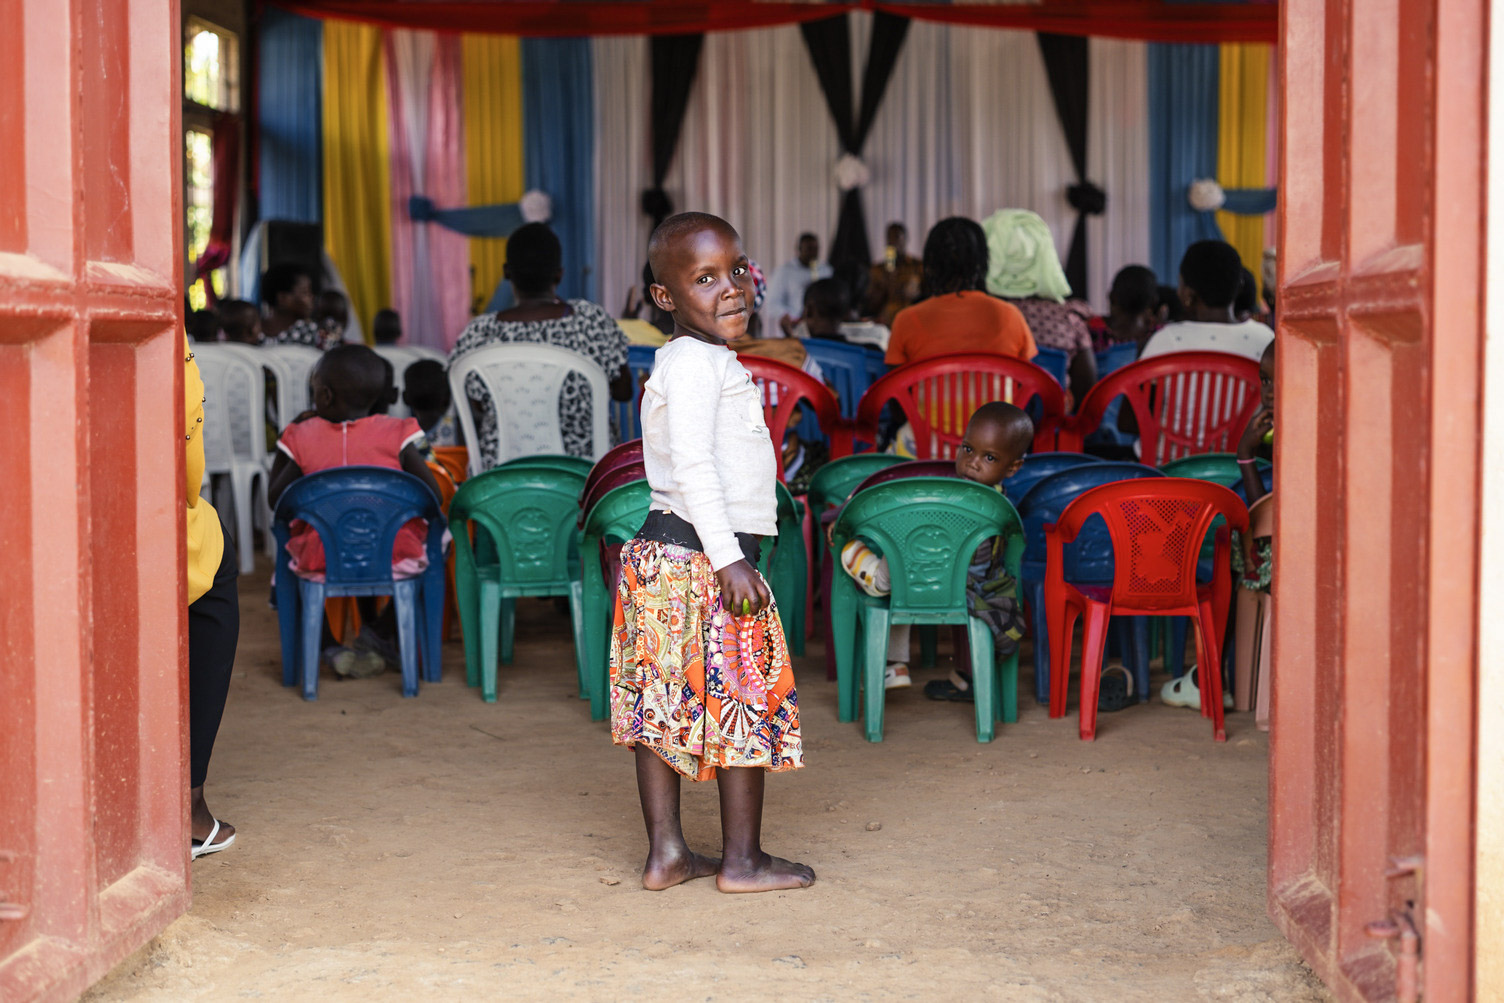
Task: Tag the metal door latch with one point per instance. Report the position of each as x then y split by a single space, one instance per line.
1401 924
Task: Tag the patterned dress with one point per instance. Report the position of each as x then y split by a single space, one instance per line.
701 688
306 332
1057 325
587 329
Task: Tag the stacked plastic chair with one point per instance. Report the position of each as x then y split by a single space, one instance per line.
784 388
357 512
235 436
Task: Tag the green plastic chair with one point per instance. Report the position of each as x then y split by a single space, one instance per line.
525 544
928 528
612 521
1219 468
785 564
551 461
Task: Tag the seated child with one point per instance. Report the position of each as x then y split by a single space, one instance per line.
240 322
991 450
346 384
425 390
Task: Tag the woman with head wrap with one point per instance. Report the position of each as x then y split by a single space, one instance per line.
1023 269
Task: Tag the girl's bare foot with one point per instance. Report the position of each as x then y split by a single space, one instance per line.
770 874
668 871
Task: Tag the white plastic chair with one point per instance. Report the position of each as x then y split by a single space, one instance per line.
523 381
235 436
293 365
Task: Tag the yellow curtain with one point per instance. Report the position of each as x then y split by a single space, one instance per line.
493 145
1242 139
357 175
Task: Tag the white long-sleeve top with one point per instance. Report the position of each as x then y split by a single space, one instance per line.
705 446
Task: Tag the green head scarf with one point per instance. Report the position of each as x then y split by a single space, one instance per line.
1021 258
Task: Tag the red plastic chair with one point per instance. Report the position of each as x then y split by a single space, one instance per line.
455 460
1156 525
627 453
788 385
1186 403
597 486
939 395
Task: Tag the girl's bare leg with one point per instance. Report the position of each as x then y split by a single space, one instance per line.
744 865
670 861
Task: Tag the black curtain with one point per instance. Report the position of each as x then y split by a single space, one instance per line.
1067 66
829 45
675 61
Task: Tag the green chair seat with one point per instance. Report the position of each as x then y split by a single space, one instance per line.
928 528
552 461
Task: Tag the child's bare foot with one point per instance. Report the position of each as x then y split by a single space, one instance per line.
770 874
663 873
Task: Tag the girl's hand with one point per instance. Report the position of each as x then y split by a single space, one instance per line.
742 590
1253 436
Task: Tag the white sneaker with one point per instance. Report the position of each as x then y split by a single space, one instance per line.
896 676
1184 692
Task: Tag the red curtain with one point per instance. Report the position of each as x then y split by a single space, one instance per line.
1148 20
226 147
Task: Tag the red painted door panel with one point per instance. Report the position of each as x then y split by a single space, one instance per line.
1377 438
93 827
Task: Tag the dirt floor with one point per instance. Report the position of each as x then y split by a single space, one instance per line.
443 848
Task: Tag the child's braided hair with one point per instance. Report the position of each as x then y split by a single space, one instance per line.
955 257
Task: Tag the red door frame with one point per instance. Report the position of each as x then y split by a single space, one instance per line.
1372 753
93 820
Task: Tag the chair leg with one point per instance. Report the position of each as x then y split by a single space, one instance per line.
1138 632
577 628
1175 646
242 490
431 593
289 622
875 621
845 622
405 595
826 588
508 628
491 603
984 679
1041 628
1208 629
928 647
1094 638
313 622
1062 621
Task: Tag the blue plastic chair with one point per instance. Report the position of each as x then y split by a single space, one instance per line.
876 367
1038 466
1055 361
627 413
1116 357
845 368
357 512
1087 561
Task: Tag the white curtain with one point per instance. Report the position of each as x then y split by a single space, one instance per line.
623 165
1117 159
966 127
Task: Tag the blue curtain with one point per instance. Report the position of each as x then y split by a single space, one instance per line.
1183 94
289 106
558 142
472 221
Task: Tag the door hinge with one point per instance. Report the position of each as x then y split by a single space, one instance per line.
1401 924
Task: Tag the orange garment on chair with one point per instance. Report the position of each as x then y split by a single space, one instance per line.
958 323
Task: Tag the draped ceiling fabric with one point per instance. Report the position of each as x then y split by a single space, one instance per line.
623 167
492 66
558 148
1242 139
1146 20
290 62
1117 158
357 182
1183 104
1067 66
675 62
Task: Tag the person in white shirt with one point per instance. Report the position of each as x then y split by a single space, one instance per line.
1210 274
785 303
701 682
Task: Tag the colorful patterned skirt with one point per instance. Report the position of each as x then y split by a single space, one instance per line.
696 685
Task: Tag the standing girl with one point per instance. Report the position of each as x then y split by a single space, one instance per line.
701 683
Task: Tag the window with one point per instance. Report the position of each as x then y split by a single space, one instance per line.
211 89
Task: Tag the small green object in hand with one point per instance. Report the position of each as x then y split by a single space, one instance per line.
746 607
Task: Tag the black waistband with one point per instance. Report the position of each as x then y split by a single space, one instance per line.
665 527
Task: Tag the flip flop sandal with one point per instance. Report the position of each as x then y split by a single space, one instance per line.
1184 692
1115 689
944 689
204 847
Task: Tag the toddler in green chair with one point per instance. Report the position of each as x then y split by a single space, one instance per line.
991 450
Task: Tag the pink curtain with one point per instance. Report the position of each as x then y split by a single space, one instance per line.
430 265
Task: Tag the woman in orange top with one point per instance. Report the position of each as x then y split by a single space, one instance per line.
957 315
